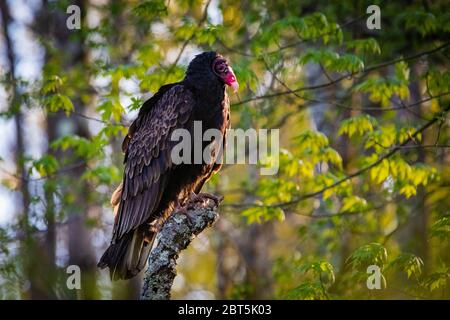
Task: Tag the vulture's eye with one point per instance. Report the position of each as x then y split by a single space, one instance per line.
220 67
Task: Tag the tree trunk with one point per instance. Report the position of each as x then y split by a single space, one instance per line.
420 220
28 247
81 252
253 245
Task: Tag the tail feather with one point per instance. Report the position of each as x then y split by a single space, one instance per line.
128 256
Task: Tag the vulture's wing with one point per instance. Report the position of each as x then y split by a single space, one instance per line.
148 157
146 107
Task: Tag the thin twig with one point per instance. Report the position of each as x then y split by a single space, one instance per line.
186 42
339 105
81 115
392 151
341 78
290 45
44 177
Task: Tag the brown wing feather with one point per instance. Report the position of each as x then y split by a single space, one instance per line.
148 158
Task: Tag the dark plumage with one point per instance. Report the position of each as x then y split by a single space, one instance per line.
152 185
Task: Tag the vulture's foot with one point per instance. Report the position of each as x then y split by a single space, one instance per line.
203 196
184 210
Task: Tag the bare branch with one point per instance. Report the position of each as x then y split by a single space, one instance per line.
326 73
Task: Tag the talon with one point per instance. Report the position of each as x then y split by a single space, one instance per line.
201 197
193 198
184 211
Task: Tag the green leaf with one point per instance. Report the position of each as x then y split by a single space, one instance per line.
46 165
208 34
57 102
357 125
322 270
353 204
332 60
424 22
263 214
370 254
52 84
380 172
408 263
311 140
437 280
307 291
150 9
363 46
441 228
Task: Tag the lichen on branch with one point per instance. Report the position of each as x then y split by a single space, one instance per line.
176 234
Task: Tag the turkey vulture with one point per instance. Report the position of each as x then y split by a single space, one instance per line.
153 186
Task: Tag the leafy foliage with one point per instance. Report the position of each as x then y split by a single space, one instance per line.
359 182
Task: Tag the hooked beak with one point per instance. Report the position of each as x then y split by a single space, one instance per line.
230 80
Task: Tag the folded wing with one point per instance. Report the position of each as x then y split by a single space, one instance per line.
148 158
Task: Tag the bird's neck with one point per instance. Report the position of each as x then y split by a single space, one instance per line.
209 94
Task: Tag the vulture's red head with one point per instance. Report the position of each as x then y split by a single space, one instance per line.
208 68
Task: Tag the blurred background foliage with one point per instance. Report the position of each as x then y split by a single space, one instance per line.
363 118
